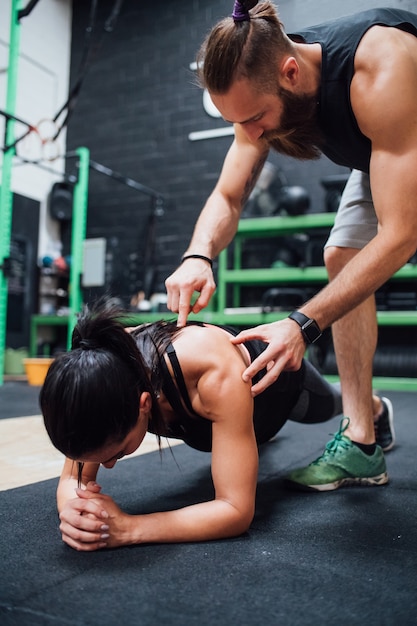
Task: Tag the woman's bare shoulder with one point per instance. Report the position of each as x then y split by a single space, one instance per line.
208 348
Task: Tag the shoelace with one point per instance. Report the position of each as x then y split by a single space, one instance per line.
337 442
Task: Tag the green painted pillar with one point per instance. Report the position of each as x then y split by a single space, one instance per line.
79 228
6 207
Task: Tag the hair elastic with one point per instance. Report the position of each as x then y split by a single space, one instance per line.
87 344
197 256
240 13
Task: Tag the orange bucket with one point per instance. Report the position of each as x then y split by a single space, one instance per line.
36 369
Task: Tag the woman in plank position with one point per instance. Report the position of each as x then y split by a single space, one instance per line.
115 384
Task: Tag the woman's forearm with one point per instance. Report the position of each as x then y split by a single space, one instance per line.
65 491
68 481
206 521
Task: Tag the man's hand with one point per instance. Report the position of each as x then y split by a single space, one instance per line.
285 351
191 276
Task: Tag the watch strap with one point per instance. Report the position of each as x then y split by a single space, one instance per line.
309 327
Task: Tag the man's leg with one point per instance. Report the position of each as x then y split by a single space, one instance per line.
351 457
355 339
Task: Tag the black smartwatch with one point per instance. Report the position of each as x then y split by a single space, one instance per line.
309 327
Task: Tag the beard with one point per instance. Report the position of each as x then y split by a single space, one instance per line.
298 134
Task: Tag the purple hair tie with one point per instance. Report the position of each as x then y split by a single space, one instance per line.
240 14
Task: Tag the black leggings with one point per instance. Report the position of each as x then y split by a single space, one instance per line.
303 396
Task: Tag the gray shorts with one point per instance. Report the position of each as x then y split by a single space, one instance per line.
356 222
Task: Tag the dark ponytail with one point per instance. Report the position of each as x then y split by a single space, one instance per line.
91 393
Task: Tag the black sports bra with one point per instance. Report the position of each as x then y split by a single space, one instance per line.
189 425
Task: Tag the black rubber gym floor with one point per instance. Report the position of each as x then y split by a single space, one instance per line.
343 558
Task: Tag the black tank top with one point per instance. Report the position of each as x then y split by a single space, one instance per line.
339 39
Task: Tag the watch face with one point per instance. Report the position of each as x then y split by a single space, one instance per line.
309 327
311 330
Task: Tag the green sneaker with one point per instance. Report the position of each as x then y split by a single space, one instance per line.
341 464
